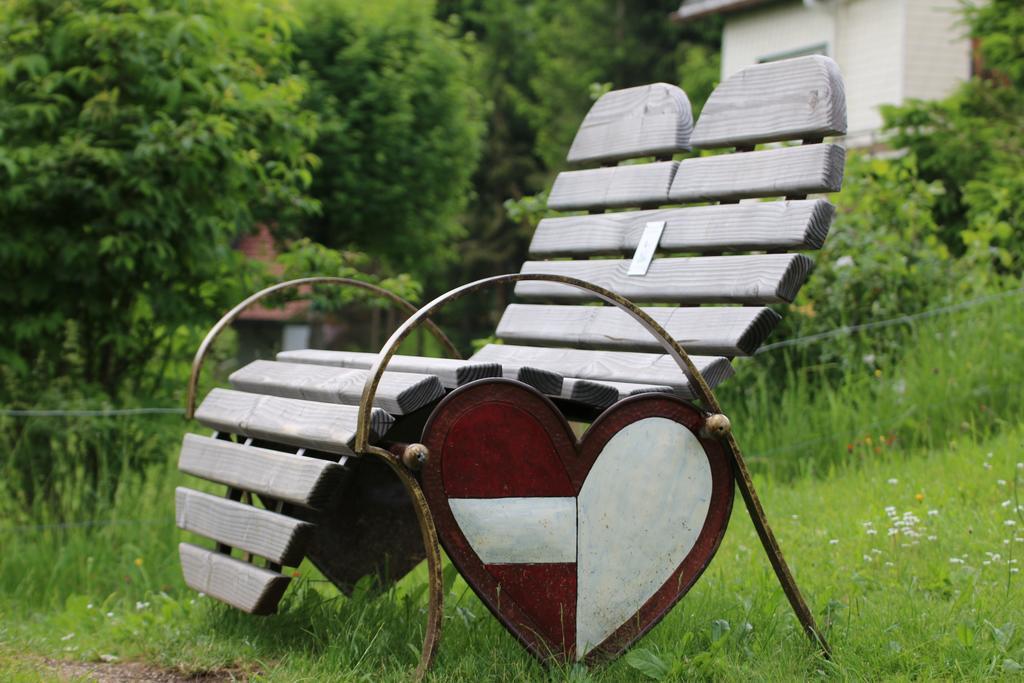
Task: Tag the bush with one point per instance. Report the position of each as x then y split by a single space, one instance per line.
971 143
137 138
883 258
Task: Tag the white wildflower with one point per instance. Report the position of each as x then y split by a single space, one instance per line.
834 541
68 637
933 513
893 481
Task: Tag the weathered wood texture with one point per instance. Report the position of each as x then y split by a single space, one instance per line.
309 482
276 537
308 424
603 393
239 584
755 226
452 373
717 330
615 366
643 121
598 188
398 392
786 171
791 99
757 279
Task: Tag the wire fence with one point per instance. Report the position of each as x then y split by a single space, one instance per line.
910 318
886 425
845 330
97 412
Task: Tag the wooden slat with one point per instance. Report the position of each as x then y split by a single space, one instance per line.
589 392
239 584
716 331
398 392
308 424
598 188
757 279
279 538
309 482
647 120
752 226
602 394
787 171
614 366
791 99
451 372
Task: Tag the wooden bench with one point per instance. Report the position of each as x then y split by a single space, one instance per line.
284 434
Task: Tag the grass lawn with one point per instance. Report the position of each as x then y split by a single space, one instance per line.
902 537
910 564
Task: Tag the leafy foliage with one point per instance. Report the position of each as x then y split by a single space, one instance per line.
971 143
883 258
136 139
400 129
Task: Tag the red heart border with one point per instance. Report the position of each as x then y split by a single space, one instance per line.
584 452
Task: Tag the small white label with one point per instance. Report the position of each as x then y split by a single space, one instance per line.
645 249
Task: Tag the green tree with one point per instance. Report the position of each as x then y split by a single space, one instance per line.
400 129
137 138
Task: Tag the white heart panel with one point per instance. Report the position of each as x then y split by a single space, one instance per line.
640 512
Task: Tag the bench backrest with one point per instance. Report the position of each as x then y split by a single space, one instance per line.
721 252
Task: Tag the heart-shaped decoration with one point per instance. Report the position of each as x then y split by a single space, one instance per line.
577 547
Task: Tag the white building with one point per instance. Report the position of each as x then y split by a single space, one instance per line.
888 50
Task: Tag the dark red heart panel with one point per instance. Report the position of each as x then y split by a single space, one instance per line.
578 547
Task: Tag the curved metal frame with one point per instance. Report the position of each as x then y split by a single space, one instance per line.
230 316
412 487
693 376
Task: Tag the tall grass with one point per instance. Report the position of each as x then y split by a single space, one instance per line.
958 373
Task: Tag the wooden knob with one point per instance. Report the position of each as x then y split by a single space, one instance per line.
415 456
716 426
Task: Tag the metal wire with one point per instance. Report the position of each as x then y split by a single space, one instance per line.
98 412
900 320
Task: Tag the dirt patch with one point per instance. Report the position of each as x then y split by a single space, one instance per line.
126 672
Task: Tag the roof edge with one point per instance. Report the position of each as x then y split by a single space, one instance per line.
688 11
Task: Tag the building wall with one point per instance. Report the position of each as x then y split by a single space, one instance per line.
870 51
938 53
771 30
888 50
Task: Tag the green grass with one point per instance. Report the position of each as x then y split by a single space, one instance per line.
894 606
829 457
